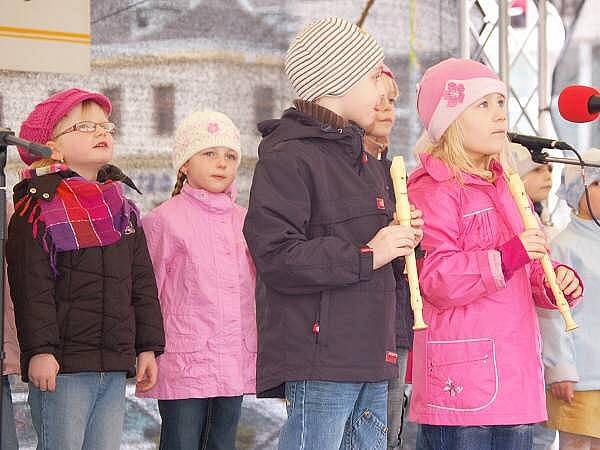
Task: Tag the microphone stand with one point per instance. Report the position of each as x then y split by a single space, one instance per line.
539 156
7 137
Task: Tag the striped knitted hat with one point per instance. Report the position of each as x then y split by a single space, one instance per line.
330 56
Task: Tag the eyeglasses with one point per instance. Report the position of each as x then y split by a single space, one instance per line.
88 127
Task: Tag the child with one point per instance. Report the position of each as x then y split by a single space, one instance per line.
318 228
477 373
537 179
206 282
377 136
81 278
10 366
572 365
377 141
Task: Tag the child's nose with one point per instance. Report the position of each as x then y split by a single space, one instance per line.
500 113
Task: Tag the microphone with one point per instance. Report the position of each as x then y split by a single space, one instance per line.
579 104
534 143
7 137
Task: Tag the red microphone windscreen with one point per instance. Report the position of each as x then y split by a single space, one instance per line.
573 103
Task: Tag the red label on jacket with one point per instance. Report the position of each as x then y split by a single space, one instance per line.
380 203
391 357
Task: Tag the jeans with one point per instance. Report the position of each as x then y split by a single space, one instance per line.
496 437
543 437
324 415
199 423
402 432
85 412
9 431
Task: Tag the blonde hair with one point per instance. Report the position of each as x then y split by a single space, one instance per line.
450 149
45 162
181 177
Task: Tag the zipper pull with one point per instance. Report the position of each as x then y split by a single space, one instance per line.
315 328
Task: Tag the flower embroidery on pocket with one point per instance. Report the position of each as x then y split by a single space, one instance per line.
454 94
452 388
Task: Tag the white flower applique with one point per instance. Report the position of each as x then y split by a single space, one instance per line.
452 388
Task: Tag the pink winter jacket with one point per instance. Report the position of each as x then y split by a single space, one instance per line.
479 362
205 278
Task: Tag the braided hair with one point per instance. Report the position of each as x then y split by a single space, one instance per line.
181 177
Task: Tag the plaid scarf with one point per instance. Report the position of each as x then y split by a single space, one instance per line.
81 214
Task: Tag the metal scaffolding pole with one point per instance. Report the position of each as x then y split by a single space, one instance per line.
464 31
584 130
544 120
503 57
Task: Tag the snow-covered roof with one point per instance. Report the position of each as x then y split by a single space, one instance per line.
227 24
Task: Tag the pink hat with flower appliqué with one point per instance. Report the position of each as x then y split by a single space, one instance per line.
450 87
201 130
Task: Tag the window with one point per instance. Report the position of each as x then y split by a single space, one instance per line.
114 94
264 103
164 110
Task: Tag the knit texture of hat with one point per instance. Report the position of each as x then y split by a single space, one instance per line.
201 130
572 188
330 56
39 125
450 87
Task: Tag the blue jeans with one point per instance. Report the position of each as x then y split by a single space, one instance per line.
543 437
199 423
9 431
402 432
324 415
496 437
85 412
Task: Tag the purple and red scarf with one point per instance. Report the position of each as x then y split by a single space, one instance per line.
81 214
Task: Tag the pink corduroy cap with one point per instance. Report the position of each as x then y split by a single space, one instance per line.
41 121
450 87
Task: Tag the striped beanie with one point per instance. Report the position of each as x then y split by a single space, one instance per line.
330 56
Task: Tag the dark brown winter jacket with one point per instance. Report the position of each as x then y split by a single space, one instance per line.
101 309
322 312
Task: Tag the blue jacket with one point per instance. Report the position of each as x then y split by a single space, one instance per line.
574 356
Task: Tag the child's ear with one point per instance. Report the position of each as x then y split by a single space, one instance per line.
56 154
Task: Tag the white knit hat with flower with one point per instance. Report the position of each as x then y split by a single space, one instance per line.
201 130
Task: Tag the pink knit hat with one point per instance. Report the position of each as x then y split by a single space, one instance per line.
41 121
450 87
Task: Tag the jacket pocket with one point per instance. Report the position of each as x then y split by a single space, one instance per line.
182 334
461 374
